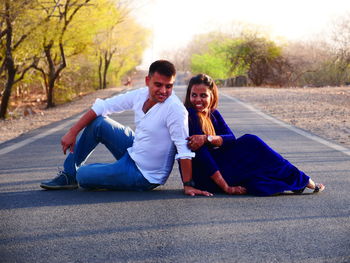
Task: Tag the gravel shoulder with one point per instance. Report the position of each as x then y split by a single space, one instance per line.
10 129
323 111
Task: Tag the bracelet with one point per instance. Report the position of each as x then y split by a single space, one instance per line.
189 183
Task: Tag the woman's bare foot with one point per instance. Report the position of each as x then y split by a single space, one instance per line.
317 187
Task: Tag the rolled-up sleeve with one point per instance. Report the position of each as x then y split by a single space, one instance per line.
177 122
117 103
98 107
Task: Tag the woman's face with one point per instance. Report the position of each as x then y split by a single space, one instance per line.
200 97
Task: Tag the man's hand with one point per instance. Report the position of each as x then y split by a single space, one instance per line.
68 142
189 190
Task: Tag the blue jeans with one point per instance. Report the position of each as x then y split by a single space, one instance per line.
120 175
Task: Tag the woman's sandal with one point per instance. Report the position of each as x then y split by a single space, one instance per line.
300 191
319 188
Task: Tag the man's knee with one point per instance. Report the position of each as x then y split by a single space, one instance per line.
102 121
101 124
82 177
98 121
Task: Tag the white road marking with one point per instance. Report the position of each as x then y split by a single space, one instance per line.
292 128
36 137
283 124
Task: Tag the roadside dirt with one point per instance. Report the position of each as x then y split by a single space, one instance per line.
10 129
323 111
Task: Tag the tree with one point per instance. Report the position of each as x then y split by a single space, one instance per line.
261 58
180 57
211 63
16 27
60 15
199 45
207 56
322 61
341 43
132 41
307 60
120 46
105 43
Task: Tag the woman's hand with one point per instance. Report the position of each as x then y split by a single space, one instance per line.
196 141
236 190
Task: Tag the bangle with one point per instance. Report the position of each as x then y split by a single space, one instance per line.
189 183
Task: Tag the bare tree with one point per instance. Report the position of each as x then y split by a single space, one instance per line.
341 43
181 58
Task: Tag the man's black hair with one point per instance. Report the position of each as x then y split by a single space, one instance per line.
163 67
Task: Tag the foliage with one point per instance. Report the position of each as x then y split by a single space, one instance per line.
328 73
63 34
248 51
341 43
211 62
119 48
249 55
17 25
317 63
261 58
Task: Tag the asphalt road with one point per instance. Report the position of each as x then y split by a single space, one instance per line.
164 225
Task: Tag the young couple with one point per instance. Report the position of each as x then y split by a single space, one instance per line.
210 158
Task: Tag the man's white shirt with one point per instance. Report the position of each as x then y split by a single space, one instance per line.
160 134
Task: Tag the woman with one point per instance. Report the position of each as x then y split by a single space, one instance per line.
234 166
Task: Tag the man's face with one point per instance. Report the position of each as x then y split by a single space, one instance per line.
160 87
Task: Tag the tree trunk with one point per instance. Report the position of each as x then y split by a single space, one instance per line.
9 65
105 69
100 73
53 73
107 61
11 73
50 93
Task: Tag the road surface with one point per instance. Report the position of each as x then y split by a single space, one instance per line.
164 225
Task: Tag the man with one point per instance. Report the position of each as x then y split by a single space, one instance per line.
144 158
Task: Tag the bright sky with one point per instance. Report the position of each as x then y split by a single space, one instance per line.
175 22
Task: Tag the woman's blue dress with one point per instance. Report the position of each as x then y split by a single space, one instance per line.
246 161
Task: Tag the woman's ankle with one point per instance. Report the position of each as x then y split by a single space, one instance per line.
311 184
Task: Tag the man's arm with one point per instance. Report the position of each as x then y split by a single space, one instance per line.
186 171
69 139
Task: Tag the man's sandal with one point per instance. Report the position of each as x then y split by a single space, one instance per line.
319 188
